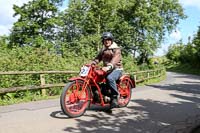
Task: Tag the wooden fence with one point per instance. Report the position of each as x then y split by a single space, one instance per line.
138 77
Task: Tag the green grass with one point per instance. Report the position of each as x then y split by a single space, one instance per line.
183 68
29 95
151 81
10 101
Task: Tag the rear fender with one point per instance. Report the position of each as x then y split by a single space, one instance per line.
127 77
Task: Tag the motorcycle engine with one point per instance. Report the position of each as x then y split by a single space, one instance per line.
105 92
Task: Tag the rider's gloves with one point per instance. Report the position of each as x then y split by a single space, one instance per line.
109 67
105 69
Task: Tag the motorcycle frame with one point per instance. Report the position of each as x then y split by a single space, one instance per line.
90 81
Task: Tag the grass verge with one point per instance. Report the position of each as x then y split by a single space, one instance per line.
183 68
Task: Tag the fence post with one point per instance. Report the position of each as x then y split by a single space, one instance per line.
42 83
148 77
134 76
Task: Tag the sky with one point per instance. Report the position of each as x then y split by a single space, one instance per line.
186 28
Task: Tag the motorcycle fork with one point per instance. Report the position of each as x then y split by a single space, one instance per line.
85 84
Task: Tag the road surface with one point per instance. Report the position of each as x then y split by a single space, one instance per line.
171 106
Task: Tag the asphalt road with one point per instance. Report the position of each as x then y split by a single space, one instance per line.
171 106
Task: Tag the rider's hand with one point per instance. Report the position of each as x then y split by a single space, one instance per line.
93 65
105 69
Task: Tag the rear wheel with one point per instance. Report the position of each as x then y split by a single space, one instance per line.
124 88
74 101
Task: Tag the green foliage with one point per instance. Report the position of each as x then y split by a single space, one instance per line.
33 59
174 52
18 97
196 47
38 59
36 19
146 23
183 68
138 26
45 38
129 64
188 54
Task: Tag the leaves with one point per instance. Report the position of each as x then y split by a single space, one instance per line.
186 53
138 26
36 18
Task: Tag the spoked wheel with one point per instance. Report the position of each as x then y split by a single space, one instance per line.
75 99
125 92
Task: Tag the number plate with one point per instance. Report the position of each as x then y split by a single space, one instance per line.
84 71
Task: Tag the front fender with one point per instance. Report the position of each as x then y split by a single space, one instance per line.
76 78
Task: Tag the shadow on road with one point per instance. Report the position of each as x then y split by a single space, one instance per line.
59 115
187 87
187 76
196 129
149 116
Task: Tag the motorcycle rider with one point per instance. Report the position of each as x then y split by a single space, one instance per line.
111 56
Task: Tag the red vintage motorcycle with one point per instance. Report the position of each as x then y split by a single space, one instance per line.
90 88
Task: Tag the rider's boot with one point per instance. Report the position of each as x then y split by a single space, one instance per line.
114 101
96 96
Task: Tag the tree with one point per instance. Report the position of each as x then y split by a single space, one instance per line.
88 18
174 51
139 26
147 23
186 53
37 19
196 43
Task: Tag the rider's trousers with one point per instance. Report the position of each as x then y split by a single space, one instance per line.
111 81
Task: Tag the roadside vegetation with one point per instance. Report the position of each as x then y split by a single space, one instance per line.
185 58
46 38
183 68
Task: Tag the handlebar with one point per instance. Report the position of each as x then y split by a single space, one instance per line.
97 69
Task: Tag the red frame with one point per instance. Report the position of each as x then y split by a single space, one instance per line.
95 76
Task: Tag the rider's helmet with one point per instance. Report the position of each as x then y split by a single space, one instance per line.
107 35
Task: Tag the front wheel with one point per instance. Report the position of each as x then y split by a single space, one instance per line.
124 88
75 99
